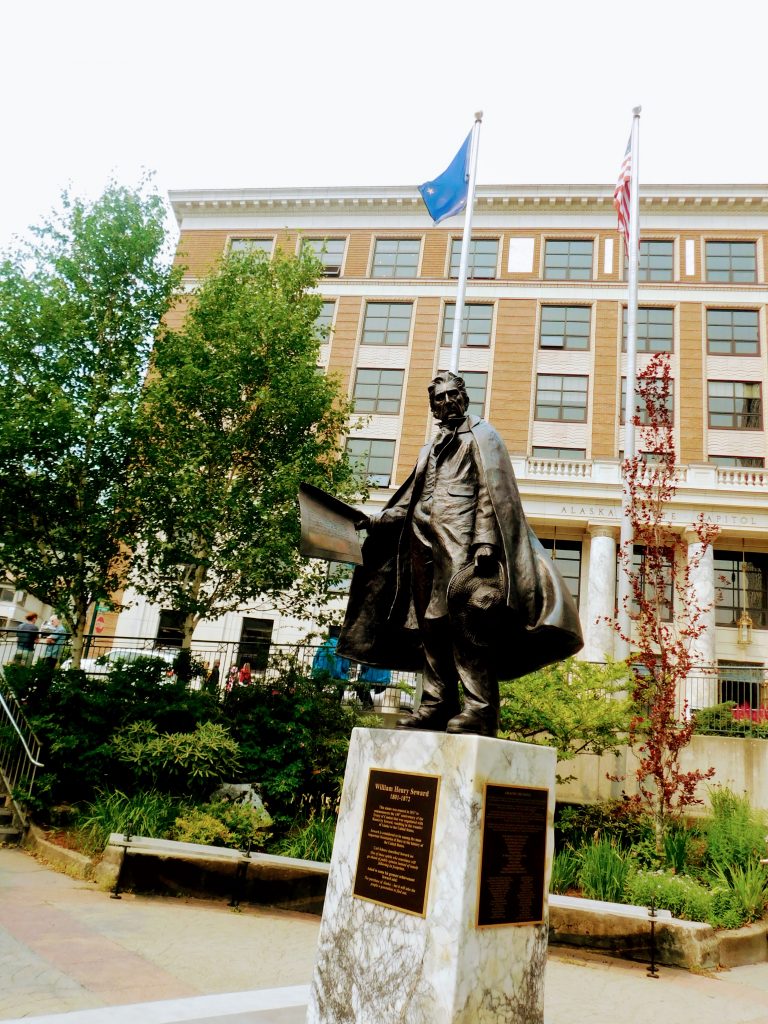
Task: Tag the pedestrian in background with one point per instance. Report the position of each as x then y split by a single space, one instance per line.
26 636
53 639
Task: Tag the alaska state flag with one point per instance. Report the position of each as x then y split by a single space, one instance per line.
447 194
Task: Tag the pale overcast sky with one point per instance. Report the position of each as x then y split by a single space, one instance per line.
244 93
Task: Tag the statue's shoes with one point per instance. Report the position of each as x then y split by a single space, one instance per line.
428 716
477 723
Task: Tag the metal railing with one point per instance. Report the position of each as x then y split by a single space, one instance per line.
236 663
19 751
724 699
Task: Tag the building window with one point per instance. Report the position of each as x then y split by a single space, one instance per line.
731 261
330 252
255 641
170 628
324 321
644 415
646 574
649 458
482 260
476 384
566 554
372 459
735 405
7 595
568 259
741 584
387 323
656 261
732 332
541 452
251 245
560 397
737 461
339 577
476 324
378 391
565 327
655 330
396 257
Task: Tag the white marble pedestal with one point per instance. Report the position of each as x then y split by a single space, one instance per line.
379 965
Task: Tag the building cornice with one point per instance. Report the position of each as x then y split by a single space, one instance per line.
721 198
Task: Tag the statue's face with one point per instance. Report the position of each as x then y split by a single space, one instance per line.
449 403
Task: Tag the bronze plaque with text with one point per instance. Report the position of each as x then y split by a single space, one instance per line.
395 853
512 862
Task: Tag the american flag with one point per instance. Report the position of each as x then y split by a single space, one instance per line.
621 193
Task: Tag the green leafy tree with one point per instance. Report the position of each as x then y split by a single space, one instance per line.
234 417
79 307
575 706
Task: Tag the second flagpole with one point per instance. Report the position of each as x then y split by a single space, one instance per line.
458 314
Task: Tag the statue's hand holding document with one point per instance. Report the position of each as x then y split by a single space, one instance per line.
328 527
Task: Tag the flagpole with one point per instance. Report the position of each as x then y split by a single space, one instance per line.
627 532
458 314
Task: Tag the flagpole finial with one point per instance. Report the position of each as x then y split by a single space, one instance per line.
636 111
478 115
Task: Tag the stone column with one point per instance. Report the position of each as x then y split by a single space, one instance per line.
701 685
601 593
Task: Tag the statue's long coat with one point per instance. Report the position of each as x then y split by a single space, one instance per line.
542 623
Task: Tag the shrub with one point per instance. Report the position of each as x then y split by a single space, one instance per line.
142 814
198 825
182 763
620 820
735 832
573 706
682 896
565 871
247 824
727 719
717 719
677 843
743 892
312 839
75 716
294 738
603 871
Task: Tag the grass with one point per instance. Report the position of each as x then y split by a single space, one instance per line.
312 839
603 871
735 833
565 871
144 814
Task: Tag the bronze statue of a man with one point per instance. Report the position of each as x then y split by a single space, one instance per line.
454 582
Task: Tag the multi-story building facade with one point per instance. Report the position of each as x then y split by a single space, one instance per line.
543 358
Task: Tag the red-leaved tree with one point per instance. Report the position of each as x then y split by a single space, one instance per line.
667 616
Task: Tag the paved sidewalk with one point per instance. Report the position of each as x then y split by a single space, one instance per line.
67 948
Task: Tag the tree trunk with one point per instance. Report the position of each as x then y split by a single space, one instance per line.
189 628
191 621
79 620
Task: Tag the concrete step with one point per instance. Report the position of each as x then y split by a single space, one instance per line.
9 834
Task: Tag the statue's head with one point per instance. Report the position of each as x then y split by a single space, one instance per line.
448 398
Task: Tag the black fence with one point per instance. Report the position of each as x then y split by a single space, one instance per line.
726 699
227 664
